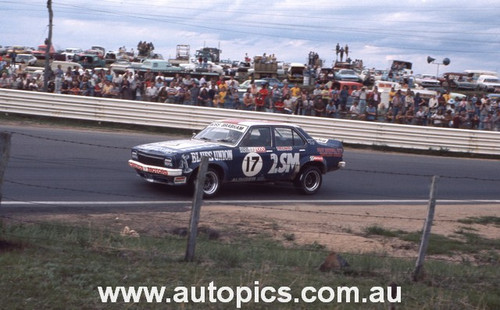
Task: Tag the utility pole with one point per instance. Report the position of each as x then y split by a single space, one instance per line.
426 233
4 156
195 211
48 45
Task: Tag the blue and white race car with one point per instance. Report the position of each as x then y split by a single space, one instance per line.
241 151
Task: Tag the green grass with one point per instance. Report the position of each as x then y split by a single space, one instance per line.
52 266
483 220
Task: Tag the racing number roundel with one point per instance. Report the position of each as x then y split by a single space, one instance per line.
252 164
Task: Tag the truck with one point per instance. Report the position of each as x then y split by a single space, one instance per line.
182 54
40 52
264 67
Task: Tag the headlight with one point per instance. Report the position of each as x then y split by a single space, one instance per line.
168 162
134 155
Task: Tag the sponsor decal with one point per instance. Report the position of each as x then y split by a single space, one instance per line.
180 180
237 127
252 164
316 158
148 169
284 163
321 140
329 152
284 148
253 149
249 179
219 155
169 147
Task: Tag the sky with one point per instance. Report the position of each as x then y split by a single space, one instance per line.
466 32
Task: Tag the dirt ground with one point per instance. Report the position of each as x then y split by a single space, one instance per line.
338 228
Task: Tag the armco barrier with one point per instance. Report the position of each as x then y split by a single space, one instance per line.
195 118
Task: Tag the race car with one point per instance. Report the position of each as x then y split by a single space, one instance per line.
241 151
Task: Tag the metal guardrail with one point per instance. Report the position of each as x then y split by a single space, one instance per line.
196 118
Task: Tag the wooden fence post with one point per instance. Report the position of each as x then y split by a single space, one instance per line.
419 265
4 156
196 209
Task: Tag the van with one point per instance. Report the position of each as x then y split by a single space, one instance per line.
296 73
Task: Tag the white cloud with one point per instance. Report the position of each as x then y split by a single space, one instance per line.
375 30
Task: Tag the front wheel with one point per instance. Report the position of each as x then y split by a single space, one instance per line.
309 180
212 183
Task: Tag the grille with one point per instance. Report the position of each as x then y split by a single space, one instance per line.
151 160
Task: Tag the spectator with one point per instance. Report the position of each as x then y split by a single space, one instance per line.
362 99
203 97
331 110
279 104
307 103
410 115
354 111
319 106
438 118
5 81
248 100
400 117
125 90
344 96
371 112
496 120
288 104
263 102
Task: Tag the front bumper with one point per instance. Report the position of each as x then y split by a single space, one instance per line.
157 174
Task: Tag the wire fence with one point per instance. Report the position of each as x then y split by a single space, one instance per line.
326 224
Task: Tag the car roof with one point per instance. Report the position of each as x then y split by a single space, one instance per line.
248 122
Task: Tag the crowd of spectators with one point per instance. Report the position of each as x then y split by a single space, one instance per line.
475 112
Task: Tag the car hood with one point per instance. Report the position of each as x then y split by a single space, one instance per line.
179 146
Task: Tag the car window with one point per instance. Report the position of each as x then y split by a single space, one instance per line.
287 137
260 136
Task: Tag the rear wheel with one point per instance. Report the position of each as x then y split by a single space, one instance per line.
309 180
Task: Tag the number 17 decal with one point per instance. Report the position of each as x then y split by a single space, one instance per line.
252 164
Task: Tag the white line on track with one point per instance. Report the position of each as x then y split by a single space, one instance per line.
225 202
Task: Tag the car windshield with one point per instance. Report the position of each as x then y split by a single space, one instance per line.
222 132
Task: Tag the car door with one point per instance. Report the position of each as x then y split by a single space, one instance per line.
253 157
288 148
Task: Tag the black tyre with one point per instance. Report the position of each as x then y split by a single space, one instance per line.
212 183
309 180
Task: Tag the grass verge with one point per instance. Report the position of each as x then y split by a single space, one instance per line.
53 266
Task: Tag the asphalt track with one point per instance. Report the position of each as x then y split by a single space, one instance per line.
81 168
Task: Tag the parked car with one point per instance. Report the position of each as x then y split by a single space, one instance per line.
351 86
489 83
27 59
65 65
347 75
242 88
273 82
4 50
427 80
70 52
241 151
458 80
159 65
89 61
